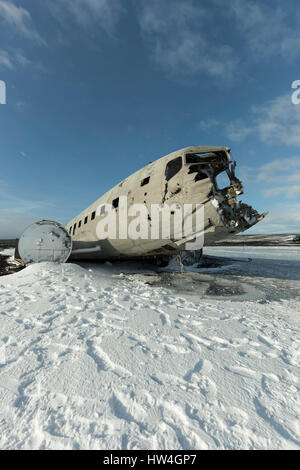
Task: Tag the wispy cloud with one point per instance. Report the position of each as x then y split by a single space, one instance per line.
105 13
277 180
288 192
275 122
21 59
283 218
280 169
268 30
9 201
6 60
17 211
207 125
20 20
281 178
278 120
177 36
237 130
13 59
189 38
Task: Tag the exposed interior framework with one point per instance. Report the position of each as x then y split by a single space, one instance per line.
233 213
192 175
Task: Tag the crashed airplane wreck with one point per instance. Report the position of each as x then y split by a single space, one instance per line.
187 176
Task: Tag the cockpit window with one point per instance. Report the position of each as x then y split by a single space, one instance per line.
173 167
222 181
193 158
205 157
200 170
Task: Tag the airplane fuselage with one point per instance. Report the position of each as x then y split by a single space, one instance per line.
185 177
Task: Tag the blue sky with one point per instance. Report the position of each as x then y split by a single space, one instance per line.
98 88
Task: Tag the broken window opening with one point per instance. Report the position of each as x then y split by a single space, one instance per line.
115 203
93 215
196 158
178 190
222 181
173 167
74 229
79 225
70 231
145 181
206 158
202 172
85 220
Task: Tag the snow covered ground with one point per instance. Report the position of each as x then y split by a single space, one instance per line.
122 357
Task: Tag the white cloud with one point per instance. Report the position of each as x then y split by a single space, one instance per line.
207 125
275 122
268 30
278 120
21 58
285 185
6 60
176 33
188 38
237 131
16 58
284 218
246 173
281 178
106 13
9 201
288 192
280 169
20 19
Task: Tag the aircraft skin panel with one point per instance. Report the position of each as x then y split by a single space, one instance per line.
194 183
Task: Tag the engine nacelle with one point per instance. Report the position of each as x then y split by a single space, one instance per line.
45 240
